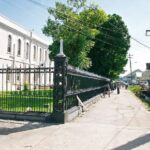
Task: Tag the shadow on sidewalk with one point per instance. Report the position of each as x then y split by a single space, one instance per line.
135 143
23 127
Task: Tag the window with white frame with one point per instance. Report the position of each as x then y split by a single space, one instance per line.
19 47
40 54
27 50
9 44
34 53
45 56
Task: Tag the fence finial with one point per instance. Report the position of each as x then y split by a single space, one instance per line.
61 53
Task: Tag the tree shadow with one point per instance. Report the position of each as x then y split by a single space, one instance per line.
24 127
135 143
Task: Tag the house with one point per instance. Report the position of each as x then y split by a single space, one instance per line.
134 76
21 48
146 73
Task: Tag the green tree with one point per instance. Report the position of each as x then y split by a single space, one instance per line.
109 54
73 22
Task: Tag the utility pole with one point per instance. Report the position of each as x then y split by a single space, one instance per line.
130 57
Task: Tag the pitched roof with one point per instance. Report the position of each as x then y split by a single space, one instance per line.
133 72
14 26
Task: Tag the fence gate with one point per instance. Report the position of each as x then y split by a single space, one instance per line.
24 90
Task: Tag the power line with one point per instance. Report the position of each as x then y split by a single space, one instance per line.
38 3
146 46
134 39
84 34
65 17
81 23
26 13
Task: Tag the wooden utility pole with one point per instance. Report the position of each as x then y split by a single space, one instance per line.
130 57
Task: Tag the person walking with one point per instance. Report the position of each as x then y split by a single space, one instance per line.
118 89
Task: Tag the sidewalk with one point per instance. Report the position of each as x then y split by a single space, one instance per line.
120 122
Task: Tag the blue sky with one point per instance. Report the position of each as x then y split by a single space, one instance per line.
135 13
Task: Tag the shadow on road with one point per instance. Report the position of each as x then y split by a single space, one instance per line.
22 127
135 143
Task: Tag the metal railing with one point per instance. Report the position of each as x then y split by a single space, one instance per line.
83 84
26 89
70 82
46 89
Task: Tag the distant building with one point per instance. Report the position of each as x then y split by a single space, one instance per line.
146 74
136 76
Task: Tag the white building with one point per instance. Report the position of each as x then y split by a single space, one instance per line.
20 48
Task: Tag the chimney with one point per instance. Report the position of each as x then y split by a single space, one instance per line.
147 66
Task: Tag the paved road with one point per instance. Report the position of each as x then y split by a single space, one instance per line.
120 122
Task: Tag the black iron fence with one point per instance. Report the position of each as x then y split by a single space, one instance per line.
26 89
83 84
30 89
70 82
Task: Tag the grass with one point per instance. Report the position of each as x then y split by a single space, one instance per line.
22 101
136 89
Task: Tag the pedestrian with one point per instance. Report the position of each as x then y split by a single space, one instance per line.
108 90
118 89
126 86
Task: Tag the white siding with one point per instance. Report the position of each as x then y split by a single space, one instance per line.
9 28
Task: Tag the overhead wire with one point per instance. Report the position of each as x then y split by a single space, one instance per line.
134 39
27 13
146 46
117 29
65 17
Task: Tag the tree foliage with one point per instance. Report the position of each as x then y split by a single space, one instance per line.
109 54
72 22
93 40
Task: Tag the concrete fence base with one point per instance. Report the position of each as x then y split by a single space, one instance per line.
29 116
73 112
59 117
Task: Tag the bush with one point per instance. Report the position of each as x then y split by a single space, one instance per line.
136 89
26 86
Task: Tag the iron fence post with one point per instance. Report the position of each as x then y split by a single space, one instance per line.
60 84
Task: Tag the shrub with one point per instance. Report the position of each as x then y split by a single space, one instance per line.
26 86
136 89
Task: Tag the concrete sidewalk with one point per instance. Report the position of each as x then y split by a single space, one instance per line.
120 122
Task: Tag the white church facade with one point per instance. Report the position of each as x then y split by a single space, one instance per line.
20 48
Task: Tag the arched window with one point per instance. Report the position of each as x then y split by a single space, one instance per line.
35 53
19 47
9 44
27 50
45 56
40 54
